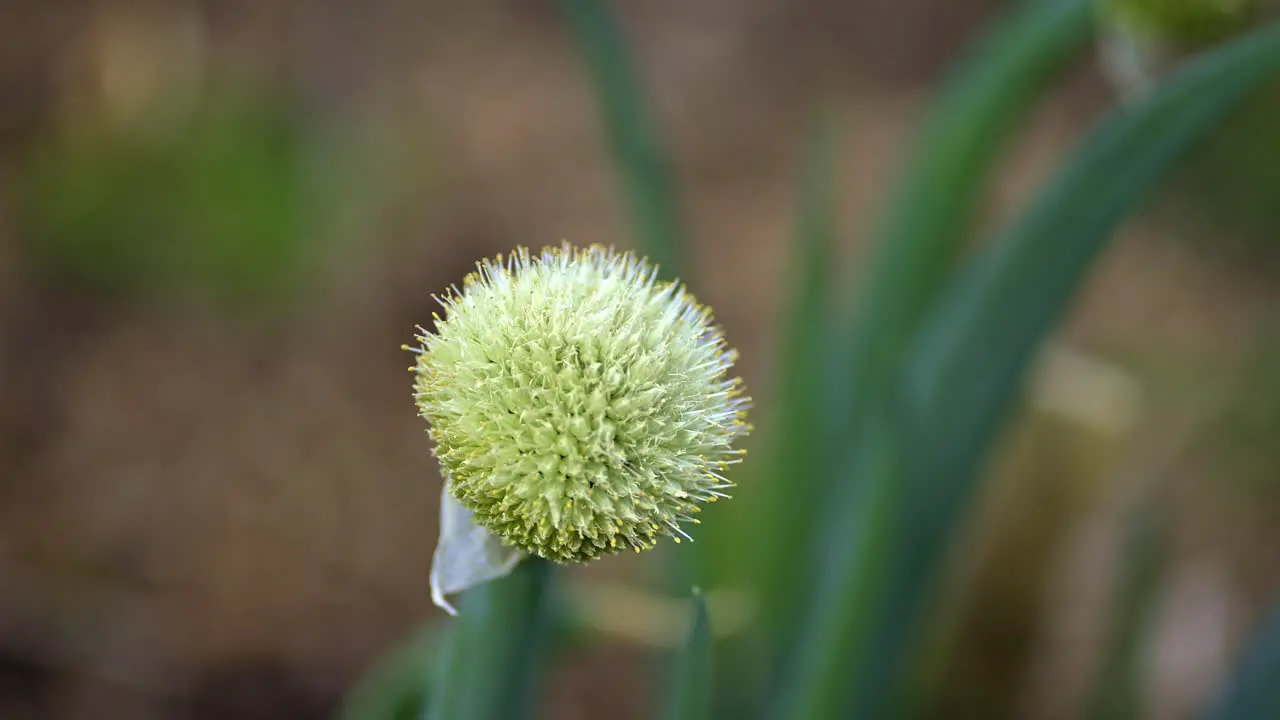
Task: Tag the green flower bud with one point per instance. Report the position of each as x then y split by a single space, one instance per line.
1182 22
1141 40
578 406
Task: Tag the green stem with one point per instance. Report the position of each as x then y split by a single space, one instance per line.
495 655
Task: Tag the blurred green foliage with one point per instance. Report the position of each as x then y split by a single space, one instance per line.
1118 688
1251 690
783 508
1226 192
211 200
1245 434
897 414
396 687
975 350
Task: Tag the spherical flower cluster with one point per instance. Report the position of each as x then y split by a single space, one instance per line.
579 407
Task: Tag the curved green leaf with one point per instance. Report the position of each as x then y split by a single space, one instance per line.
933 213
974 351
924 233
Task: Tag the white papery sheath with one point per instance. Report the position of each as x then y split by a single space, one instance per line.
466 554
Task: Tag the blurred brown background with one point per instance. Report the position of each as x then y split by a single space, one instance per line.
215 498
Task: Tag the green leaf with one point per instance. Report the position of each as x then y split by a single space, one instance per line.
495 654
633 138
690 696
973 354
1251 691
815 683
858 464
933 212
784 505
